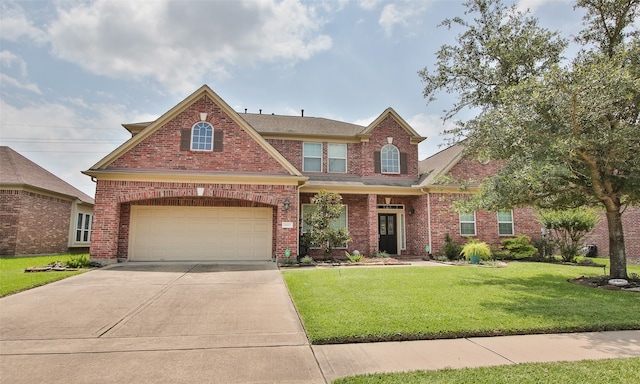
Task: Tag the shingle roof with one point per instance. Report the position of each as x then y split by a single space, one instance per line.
439 163
16 170
301 125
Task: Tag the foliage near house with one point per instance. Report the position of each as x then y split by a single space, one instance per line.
568 228
320 231
519 247
567 132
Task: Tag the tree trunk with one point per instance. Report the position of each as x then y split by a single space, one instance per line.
617 255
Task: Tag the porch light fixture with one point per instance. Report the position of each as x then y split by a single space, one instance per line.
200 191
285 204
203 116
412 211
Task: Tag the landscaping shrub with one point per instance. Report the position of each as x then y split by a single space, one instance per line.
450 249
519 247
78 261
544 246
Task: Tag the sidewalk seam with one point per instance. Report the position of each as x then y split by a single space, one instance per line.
490 350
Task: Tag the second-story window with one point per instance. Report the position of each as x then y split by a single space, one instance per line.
312 157
202 137
390 159
337 158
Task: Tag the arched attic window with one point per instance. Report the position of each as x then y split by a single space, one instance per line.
202 136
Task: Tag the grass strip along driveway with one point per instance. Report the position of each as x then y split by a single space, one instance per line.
344 305
14 279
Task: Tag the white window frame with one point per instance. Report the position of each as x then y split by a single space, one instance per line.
314 206
390 159
505 222
465 220
330 158
306 156
401 225
82 232
200 142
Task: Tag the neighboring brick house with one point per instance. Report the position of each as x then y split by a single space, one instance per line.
204 182
39 212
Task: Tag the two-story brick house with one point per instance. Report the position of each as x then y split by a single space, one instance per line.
204 182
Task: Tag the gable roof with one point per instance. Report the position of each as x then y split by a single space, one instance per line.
440 163
390 112
18 171
147 130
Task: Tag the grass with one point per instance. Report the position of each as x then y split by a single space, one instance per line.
382 304
14 279
575 372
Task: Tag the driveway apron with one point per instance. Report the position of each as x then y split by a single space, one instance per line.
157 323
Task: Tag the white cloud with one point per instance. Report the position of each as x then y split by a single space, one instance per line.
431 127
391 16
183 45
7 60
14 25
67 138
8 81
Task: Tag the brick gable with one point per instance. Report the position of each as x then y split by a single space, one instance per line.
161 150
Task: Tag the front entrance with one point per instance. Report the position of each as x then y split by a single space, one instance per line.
387 233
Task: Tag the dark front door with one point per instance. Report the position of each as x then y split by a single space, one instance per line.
387 233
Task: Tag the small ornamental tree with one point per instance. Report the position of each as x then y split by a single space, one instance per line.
321 230
568 228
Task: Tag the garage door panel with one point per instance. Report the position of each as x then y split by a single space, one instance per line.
200 233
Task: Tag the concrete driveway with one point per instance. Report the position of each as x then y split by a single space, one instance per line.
157 323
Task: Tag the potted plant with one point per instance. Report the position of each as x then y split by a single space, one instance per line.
475 250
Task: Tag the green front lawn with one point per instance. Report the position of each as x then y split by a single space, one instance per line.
14 279
575 372
379 304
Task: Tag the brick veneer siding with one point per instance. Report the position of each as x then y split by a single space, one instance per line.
445 220
401 139
362 223
161 150
114 199
631 227
33 224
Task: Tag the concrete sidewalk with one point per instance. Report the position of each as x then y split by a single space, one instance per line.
351 359
217 323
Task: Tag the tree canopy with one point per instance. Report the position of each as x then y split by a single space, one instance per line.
567 131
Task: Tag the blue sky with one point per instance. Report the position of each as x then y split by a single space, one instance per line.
71 72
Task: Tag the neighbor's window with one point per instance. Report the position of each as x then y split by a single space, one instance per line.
83 228
202 137
390 159
468 224
312 157
337 154
340 222
505 223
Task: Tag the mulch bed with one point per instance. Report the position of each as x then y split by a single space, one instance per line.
603 283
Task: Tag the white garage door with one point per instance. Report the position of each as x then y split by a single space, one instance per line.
199 233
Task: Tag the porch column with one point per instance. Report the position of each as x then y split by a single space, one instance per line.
372 220
287 226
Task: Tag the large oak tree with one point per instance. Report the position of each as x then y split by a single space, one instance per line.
567 131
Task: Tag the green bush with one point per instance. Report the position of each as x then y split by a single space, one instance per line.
78 261
450 249
568 228
380 254
355 258
519 247
544 247
307 260
475 247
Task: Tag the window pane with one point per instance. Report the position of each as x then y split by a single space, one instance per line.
337 151
467 229
467 217
78 235
312 150
337 165
87 220
390 159
312 165
504 216
505 229
79 226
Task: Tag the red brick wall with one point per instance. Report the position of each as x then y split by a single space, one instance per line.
631 227
473 170
401 139
33 224
445 220
161 150
114 199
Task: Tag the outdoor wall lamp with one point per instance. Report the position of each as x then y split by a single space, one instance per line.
285 204
412 211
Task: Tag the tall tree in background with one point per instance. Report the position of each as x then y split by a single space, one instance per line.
567 131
